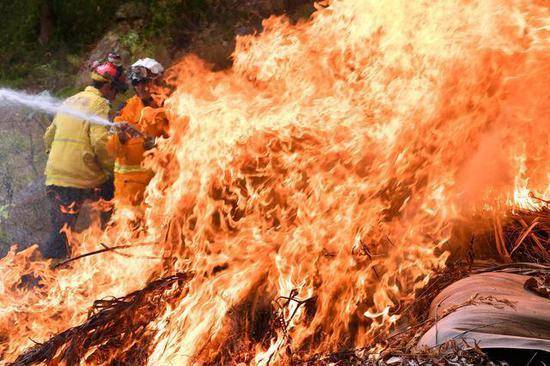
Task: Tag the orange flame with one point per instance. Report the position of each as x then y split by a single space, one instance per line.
329 162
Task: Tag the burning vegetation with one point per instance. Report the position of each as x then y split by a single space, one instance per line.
313 199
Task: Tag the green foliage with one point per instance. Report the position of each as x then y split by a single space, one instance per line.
12 164
168 14
131 41
4 212
76 24
19 24
80 22
4 237
18 34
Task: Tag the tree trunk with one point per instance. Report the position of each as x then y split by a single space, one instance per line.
46 22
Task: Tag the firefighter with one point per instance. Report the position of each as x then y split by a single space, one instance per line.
79 166
142 120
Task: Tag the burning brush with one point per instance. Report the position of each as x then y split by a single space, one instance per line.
119 331
340 166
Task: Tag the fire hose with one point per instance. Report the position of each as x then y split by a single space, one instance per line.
131 131
127 128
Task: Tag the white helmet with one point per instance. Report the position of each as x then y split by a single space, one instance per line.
145 69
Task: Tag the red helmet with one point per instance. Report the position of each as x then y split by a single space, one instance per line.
109 72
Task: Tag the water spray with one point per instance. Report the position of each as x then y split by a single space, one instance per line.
44 102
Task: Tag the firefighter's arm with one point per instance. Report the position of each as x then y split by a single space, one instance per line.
113 145
129 115
99 137
156 125
116 145
49 136
125 113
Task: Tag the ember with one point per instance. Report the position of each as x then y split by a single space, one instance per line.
313 191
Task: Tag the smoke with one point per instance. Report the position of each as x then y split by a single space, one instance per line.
44 102
489 170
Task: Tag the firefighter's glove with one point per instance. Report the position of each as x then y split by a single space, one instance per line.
126 131
123 132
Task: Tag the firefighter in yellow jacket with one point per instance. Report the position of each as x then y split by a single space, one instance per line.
146 121
79 166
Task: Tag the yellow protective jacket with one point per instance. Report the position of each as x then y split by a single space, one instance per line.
77 152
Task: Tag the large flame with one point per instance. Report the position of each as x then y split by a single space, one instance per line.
328 164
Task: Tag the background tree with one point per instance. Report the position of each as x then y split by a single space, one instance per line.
47 21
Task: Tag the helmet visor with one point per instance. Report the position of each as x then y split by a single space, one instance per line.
138 75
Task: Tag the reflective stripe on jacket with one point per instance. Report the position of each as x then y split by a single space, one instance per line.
77 151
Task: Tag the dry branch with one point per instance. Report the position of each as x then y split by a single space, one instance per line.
114 327
527 235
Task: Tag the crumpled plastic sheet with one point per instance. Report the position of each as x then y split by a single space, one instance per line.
492 310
